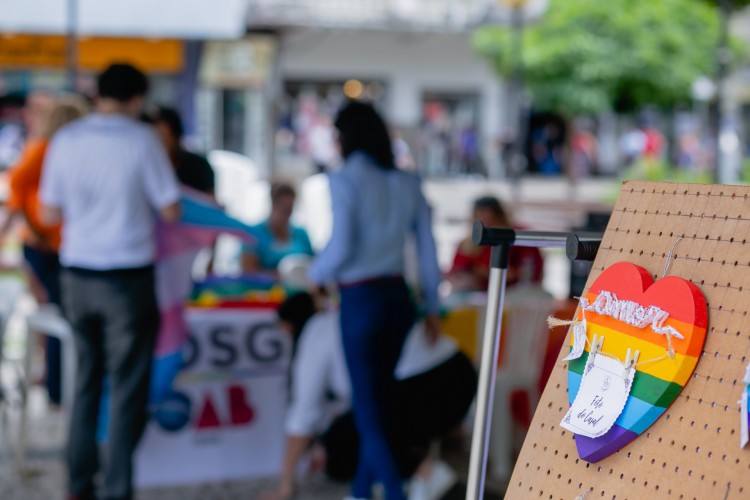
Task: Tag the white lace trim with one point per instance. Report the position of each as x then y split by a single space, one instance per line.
632 313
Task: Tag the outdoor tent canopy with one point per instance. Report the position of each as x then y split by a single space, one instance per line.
183 19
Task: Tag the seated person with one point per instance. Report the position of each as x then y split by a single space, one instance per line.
471 264
436 386
277 237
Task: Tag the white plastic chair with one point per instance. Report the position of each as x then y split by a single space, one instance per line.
525 342
11 290
48 321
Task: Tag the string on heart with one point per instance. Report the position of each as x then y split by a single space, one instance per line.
582 495
627 311
669 257
632 313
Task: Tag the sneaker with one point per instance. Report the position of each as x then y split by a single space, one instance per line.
418 489
440 479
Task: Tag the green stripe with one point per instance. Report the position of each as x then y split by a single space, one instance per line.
646 387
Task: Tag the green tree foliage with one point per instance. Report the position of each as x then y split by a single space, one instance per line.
736 4
588 56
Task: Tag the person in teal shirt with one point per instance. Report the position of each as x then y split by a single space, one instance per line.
276 236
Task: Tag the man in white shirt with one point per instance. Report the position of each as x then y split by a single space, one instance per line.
108 178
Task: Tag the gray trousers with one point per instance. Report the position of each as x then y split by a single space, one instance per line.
115 319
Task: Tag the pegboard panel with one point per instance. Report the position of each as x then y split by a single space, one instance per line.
692 451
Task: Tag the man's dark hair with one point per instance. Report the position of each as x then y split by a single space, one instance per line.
13 100
171 118
362 129
122 82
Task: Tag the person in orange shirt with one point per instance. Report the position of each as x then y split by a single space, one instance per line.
40 242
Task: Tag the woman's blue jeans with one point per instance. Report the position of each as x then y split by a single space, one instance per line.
376 317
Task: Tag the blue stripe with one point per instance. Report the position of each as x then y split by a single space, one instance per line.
205 215
637 416
163 372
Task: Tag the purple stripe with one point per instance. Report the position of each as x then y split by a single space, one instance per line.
594 449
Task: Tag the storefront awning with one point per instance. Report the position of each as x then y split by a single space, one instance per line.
183 19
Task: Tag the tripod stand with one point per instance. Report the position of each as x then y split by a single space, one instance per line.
579 246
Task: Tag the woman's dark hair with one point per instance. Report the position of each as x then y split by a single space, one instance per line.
122 82
280 190
362 129
492 204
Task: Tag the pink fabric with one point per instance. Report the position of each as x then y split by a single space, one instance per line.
173 331
177 245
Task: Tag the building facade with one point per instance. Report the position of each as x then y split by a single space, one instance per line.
412 58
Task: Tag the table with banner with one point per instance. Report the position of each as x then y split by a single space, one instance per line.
223 417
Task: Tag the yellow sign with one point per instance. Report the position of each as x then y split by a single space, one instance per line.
32 51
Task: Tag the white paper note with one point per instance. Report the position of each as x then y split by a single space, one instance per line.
579 341
604 390
743 419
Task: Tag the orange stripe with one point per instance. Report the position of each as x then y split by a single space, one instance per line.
677 370
691 345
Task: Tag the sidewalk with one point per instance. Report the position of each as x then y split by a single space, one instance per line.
42 477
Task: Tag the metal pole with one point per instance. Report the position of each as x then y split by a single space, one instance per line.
723 56
501 240
496 236
583 246
487 377
515 92
71 46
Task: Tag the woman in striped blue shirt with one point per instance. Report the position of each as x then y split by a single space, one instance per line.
376 207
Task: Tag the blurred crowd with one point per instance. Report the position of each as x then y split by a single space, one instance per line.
374 384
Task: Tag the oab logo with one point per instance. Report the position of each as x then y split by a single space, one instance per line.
216 363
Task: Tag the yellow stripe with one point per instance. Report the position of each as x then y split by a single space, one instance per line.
691 345
676 370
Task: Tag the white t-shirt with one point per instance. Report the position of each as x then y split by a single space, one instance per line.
109 174
320 368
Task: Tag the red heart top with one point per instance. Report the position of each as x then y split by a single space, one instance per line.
679 297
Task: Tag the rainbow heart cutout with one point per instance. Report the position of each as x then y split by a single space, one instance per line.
656 385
